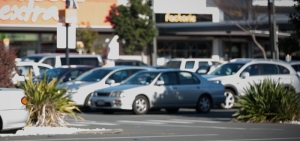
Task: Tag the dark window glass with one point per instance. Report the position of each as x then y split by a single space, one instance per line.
253 70
203 63
49 61
268 69
93 75
169 78
227 69
189 64
283 70
174 64
187 78
133 71
119 76
42 69
89 61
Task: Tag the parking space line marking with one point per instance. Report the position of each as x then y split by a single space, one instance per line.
170 121
201 121
139 122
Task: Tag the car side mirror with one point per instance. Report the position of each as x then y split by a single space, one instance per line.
245 75
110 81
160 82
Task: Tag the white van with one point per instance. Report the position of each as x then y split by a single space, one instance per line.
191 64
58 60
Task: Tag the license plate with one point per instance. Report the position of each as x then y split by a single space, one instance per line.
100 102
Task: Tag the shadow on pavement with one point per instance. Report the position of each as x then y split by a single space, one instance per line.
214 114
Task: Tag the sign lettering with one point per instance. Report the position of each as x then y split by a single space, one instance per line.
180 18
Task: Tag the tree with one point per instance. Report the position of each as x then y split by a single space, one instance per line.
245 16
90 39
133 24
290 44
8 66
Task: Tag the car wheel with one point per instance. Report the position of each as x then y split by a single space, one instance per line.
140 105
108 111
204 104
172 110
87 104
229 101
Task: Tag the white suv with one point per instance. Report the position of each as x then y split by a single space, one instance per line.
191 64
237 74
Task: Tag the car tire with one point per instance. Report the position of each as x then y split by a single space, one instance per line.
204 104
140 105
172 110
87 104
108 111
229 101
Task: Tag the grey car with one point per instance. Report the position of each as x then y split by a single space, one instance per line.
160 88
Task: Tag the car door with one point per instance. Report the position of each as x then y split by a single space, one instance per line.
188 89
165 95
255 77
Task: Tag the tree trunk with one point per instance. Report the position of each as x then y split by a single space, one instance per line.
258 44
142 55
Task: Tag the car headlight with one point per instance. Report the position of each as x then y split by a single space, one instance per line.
217 81
117 94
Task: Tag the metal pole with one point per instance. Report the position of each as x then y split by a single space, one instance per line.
270 29
154 53
274 34
67 45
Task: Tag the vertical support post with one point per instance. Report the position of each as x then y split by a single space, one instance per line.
270 29
67 45
154 50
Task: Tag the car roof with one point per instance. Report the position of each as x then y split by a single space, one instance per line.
61 54
121 60
29 63
125 67
248 60
166 70
294 62
194 59
76 66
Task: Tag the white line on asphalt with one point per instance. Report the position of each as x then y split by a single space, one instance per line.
76 124
139 122
98 123
170 121
201 121
133 137
263 139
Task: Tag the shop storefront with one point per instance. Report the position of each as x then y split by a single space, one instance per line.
31 25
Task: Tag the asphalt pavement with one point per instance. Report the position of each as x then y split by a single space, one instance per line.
184 125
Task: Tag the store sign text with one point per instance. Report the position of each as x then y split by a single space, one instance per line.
24 13
180 18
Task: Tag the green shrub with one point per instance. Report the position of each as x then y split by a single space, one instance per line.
268 101
47 104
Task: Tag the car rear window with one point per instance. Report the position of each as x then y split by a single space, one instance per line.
81 61
31 58
174 64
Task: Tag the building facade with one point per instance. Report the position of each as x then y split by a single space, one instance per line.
187 29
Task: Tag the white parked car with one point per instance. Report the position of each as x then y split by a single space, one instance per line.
191 64
82 87
23 69
296 66
13 113
237 74
162 88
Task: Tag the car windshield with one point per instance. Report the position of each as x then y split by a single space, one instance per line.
93 75
34 59
141 78
227 69
54 73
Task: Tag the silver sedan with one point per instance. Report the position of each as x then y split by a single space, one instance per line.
163 88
